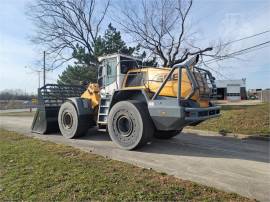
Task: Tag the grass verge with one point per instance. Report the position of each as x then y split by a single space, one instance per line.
36 170
18 113
251 119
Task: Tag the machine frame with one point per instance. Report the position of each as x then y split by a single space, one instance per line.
131 115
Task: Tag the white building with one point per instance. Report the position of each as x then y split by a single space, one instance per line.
232 90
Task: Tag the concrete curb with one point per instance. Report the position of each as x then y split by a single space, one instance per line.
257 137
231 135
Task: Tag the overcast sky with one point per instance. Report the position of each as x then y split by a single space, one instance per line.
211 19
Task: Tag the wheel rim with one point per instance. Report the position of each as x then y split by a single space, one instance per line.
67 120
124 126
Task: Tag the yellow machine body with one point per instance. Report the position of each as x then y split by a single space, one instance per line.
92 94
154 77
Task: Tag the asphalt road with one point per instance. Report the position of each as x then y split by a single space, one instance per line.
229 164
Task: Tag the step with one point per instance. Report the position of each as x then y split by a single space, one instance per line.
102 118
104 106
103 110
104 102
102 129
102 114
102 122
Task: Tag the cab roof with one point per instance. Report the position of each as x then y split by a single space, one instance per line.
118 55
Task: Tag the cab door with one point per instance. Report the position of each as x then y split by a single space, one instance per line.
108 75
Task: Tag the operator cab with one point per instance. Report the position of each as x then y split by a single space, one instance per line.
112 71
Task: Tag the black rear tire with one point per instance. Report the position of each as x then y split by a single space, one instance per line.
129 124
166 134
70 123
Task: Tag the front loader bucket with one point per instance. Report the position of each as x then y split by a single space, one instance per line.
50 98
45 121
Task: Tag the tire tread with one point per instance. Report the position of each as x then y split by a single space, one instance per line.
148 128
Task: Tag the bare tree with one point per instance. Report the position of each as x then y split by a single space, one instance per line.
160 26
63 25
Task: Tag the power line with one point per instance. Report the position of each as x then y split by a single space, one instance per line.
216 71
237 40
219 73
243 51
247 37
255 49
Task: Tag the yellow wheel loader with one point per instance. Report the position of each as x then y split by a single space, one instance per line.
133 103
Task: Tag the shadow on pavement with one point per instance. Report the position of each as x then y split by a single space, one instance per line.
94 134
192 144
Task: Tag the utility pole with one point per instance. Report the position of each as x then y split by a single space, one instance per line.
44 69
38 78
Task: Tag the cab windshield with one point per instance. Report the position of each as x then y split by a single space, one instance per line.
128 64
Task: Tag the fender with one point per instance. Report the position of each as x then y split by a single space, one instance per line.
82 105
132 94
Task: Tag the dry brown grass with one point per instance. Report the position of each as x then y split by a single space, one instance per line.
252 119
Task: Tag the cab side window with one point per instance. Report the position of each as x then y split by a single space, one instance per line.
135 79
111 70
128 64
100 76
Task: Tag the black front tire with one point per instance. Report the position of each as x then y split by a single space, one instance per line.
70 123
166 134
129 124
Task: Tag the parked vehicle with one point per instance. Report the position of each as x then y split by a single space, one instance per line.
131 102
